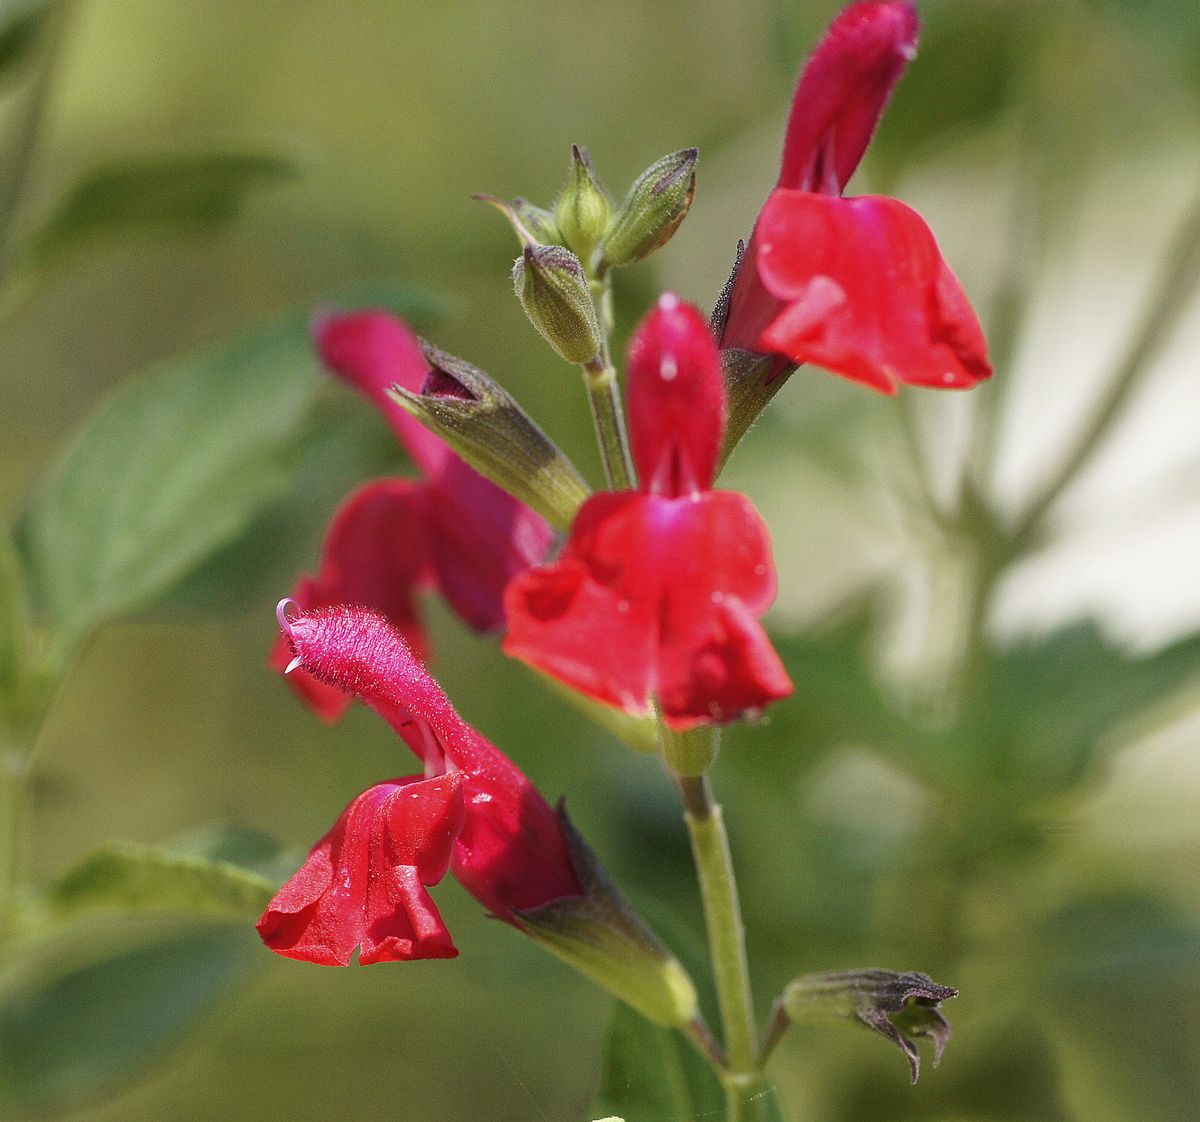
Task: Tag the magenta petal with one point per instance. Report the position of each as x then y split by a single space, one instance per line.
363 884
843 92
373 351
864 291
676 400
376 554
511 853
480 538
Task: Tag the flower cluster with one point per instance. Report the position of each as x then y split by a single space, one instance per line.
653 604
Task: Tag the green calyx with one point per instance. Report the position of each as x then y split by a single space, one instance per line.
550 282
483 423
600 935
651 212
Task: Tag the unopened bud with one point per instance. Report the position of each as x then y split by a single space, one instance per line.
601 936
483 423
533 225
582 210
897 1006
553 290
651 212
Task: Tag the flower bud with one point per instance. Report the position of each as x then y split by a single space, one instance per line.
533 225
553 290
653 209
582 210
483 423
600 935
897 1006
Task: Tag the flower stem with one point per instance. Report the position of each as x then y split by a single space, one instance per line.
607 415
1171 297
743 1078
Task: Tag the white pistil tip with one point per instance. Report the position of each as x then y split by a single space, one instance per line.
293 665
284 606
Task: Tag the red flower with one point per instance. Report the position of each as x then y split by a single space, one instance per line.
657 594
364 883
452 530
854 285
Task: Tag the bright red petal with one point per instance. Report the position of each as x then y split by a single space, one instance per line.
865 293
656 598
511 853
373 351
676 400
843 92
480 538
376 554
363 885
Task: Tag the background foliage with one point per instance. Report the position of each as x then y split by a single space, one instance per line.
204 172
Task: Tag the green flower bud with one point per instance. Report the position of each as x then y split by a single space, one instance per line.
533 225
601 936
582 210
897 1006
553 290
651 212
484 424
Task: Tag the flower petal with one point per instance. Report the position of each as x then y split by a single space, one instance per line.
865 293
656 598
676 400
843 92
373 351
511 853
376 554
480 538
363 884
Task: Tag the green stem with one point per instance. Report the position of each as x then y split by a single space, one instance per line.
609 419
743 1078
13 793
1171 297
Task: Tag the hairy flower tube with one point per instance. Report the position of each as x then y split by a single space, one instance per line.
656 597
452 530
856 285
474 811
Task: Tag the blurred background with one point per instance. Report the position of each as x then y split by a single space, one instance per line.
989 771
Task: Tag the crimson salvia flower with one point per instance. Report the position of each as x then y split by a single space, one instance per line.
364 883
657 594
854 285
452 530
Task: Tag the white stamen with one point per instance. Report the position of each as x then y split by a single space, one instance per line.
293 665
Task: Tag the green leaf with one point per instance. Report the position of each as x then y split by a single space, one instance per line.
87 1030
1116 980
153 197
652 1074
19 24
173 467
133 878
1046 706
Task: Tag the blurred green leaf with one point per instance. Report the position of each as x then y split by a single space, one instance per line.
969 63
84 1032
1046 706
133 878
1116 979
155 196
15 638
19 22
652 1074
172 468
